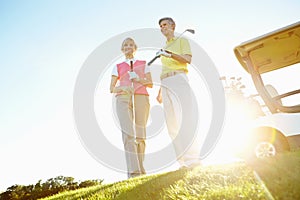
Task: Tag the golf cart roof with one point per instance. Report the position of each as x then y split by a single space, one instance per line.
271 51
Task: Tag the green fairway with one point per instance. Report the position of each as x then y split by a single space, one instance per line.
279 178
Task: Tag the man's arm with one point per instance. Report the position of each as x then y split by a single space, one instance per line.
186 58
159 96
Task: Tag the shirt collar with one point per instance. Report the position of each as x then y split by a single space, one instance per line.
174 38
131 59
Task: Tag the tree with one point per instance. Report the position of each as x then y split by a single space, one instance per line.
89 183
50 187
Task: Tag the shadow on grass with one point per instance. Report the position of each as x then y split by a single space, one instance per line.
281 174
154 187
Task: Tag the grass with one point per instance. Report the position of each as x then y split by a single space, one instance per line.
128 189
281 175
234 181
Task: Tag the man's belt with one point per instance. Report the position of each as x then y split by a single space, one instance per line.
173 73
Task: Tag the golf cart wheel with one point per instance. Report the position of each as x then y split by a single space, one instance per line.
264 150
267 142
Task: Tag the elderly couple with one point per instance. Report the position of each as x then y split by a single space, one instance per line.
134 77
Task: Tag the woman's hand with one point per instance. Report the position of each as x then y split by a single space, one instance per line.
126 90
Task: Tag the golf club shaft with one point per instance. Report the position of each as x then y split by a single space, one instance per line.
189 30
151 61
132 85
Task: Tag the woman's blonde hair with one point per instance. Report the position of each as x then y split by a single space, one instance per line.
129 38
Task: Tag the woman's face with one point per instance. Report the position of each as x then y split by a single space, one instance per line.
128 47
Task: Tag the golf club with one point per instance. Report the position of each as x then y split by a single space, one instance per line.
132 96
187 30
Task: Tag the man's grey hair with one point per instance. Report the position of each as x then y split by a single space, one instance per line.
171 21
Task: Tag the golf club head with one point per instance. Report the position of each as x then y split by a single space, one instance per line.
170 44
191 31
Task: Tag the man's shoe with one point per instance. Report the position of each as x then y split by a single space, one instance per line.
192 164
134 174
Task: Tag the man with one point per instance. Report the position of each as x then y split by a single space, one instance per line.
177 96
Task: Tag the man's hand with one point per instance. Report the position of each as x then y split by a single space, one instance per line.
159 96
163 53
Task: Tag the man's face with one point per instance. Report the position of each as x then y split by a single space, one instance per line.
166 27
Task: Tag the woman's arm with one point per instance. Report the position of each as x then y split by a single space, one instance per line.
119 89
113 83
147 81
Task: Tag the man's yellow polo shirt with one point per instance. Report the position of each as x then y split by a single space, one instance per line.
180 46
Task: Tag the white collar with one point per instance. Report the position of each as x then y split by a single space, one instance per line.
131 59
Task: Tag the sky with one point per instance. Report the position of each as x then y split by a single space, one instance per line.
45 43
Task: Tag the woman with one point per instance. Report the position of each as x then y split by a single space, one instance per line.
132 105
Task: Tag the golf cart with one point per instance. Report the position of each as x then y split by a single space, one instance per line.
274 57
